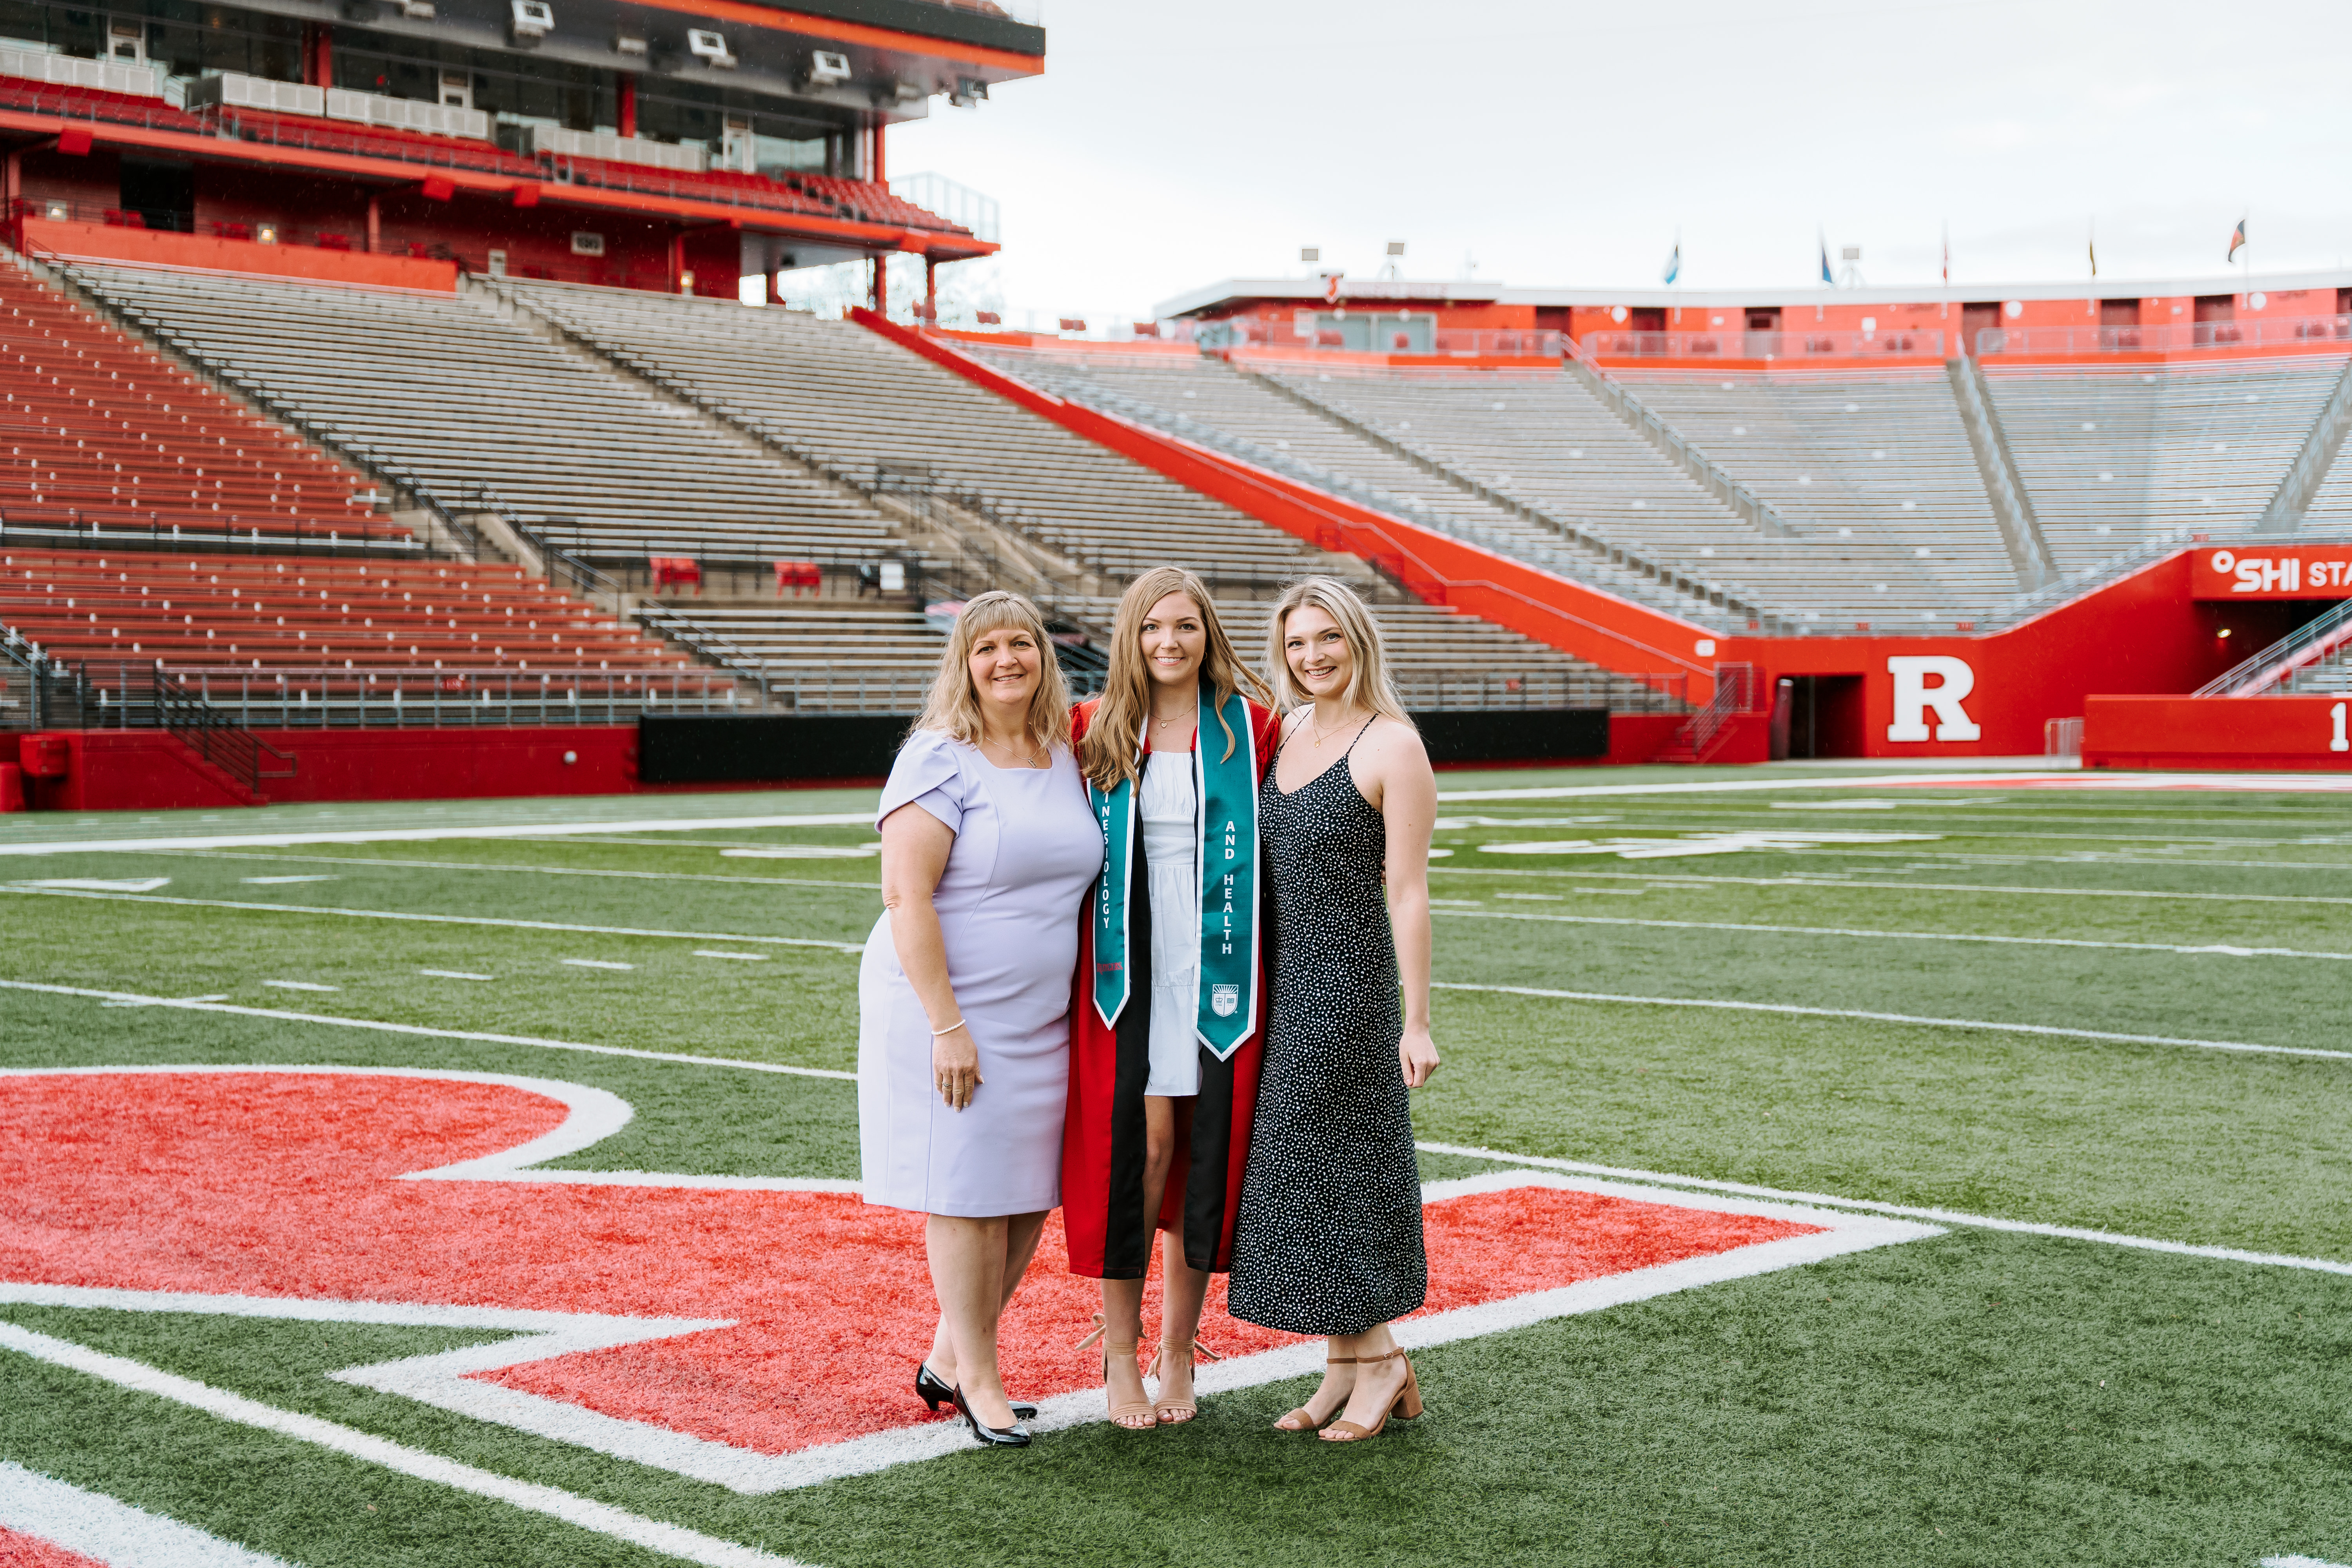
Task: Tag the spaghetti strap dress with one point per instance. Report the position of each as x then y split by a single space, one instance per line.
1328 1238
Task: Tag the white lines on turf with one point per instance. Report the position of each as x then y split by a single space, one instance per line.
217 996
422 834
1904 1211
2297 1563
433 919
746 957
585 1513
298 985
1741 785
283 881
1790 1008
1876 935
102 884
93 1525
539 870
421 1031
1692 878
440 974
596 963
804 852
1741 841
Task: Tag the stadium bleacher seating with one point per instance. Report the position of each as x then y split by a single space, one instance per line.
1207 398
861 403
489 415
92 103
1546 436
2112 455
231 613
1881 457
98 429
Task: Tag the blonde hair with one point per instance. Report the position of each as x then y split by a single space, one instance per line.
1107 751
954 707
1368 680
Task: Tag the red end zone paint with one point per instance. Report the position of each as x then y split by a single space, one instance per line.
19 1550
283 1185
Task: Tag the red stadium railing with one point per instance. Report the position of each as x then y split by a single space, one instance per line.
2172 337
1823 345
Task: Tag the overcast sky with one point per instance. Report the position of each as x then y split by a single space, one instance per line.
1169 146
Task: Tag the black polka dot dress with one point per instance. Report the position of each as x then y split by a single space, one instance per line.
1327 1239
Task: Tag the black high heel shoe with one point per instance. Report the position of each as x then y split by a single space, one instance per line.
1012 1437
933 1391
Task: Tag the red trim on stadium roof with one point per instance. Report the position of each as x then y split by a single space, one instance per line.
801 23
868 237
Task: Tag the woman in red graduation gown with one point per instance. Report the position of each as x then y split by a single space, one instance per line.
1171 993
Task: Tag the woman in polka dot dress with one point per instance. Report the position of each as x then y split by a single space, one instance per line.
1328 1238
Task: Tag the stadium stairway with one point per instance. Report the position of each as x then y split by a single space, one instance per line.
103 434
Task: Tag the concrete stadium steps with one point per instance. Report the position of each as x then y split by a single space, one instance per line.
1882 457
1208 399
266 612
98 429
857 402
1543 436
2112 456
489 415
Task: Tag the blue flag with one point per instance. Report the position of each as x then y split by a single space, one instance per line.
1675 263
1827 277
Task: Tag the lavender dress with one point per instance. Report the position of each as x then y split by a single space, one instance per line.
1026 851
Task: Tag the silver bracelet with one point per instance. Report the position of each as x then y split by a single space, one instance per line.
950 1030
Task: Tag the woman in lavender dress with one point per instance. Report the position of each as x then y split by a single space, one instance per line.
988 849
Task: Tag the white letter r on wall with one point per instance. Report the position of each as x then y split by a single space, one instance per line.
1914 697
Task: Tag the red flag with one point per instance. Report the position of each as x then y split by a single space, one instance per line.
2237 240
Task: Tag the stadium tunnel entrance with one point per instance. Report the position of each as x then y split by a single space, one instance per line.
1817 716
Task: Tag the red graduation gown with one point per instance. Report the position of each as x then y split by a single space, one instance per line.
1103 1133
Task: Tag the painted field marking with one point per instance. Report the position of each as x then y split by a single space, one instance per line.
746 957
1692 878
436 973
27 888
454 1379
298 985
540 871
107 1531
1880 935
1736 841
595 964
215 996
1792 1008
284 881
420 1031
1906 1211
585 1513
805 852
426 835
2297 1563
103 884
2257 784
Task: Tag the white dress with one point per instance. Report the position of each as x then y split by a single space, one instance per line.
1026 851
1171 853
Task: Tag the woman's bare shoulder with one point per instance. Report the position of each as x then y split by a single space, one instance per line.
1390 741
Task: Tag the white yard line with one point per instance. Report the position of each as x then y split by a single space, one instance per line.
582 1513
1817 880
28 888
1883 935
104 1529
436 973
594 963
2297 1563
421 1031
1904 1211
1980 1023
298 985
540 871
428 834
2262 783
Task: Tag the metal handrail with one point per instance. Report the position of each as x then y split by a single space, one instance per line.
212 735
2265 671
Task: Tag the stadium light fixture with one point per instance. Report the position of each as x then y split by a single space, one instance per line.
706 45
631 45
534 20
416 10
828 68
969 90
1310 253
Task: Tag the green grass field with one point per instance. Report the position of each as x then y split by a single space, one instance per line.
1994 1395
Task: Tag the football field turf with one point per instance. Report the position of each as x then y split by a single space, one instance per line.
1827 1167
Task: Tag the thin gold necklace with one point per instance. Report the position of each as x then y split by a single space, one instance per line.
1008 751
1320 734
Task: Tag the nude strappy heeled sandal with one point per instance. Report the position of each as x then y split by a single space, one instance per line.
1176 1412
1406 1406
1302 1419
1121 1415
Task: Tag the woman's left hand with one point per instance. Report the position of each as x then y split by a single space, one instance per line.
1418 1052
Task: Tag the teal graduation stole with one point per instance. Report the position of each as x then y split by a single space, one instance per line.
1225 789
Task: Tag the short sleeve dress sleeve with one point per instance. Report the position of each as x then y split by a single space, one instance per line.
927 774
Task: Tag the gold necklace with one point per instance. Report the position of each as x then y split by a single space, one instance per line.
1008 751
1320 735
